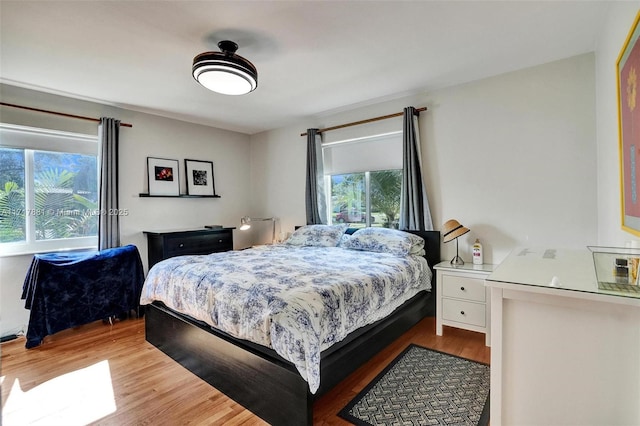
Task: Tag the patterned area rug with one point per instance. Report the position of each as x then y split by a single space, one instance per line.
424 387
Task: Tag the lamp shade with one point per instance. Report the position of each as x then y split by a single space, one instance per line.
225 72
452 229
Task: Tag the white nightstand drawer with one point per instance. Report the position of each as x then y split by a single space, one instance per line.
463 288
464 312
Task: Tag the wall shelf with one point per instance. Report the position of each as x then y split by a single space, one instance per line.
147 195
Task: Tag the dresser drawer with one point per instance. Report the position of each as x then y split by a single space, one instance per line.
463 288
464 312
198 244
162 245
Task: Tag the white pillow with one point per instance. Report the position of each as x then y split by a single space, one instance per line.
385 240
317 235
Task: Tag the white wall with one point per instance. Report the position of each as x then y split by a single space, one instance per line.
150 136
512 157
614 34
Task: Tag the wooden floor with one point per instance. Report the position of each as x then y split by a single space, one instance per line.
109 375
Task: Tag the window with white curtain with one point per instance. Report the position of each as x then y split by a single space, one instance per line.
364 176
48 190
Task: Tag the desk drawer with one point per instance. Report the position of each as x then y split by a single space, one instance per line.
464 312
198 244
463 288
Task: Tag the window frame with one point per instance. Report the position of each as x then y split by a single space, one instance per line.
32 139
334 164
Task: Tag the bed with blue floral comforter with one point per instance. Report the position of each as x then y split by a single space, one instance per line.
297 300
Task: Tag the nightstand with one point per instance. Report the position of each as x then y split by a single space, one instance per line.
462 300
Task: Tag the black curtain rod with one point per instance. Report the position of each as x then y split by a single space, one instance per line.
97 120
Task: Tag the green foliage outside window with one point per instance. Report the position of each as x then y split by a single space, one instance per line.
64 196
384 191
12 215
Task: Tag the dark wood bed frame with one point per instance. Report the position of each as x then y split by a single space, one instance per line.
261 380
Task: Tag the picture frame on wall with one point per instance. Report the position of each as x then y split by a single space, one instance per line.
163 177
628 78
200 178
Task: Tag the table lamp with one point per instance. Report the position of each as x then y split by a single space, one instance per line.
451 230
245 223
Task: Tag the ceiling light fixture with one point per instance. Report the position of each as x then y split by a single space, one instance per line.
225 72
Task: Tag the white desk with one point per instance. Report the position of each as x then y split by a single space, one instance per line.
564 354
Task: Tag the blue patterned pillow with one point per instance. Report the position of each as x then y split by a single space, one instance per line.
317 235
385 240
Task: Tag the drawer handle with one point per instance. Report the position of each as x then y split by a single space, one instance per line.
461 312
219 241
462 288
181 245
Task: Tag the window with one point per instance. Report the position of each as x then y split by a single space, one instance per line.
48 190
363 178
366 199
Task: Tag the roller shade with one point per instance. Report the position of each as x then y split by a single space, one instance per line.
381 152
15 136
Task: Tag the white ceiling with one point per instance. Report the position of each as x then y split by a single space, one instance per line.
313 57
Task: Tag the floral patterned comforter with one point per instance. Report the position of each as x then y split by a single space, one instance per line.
295 300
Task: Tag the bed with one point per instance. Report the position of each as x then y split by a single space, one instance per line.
259 324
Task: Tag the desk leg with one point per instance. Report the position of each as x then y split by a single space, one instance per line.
496 356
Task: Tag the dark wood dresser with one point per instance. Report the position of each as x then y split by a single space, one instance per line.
165 244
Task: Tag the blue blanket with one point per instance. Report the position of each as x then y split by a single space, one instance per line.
64 290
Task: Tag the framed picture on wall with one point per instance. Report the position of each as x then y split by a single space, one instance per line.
163 175
200 177
628 76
